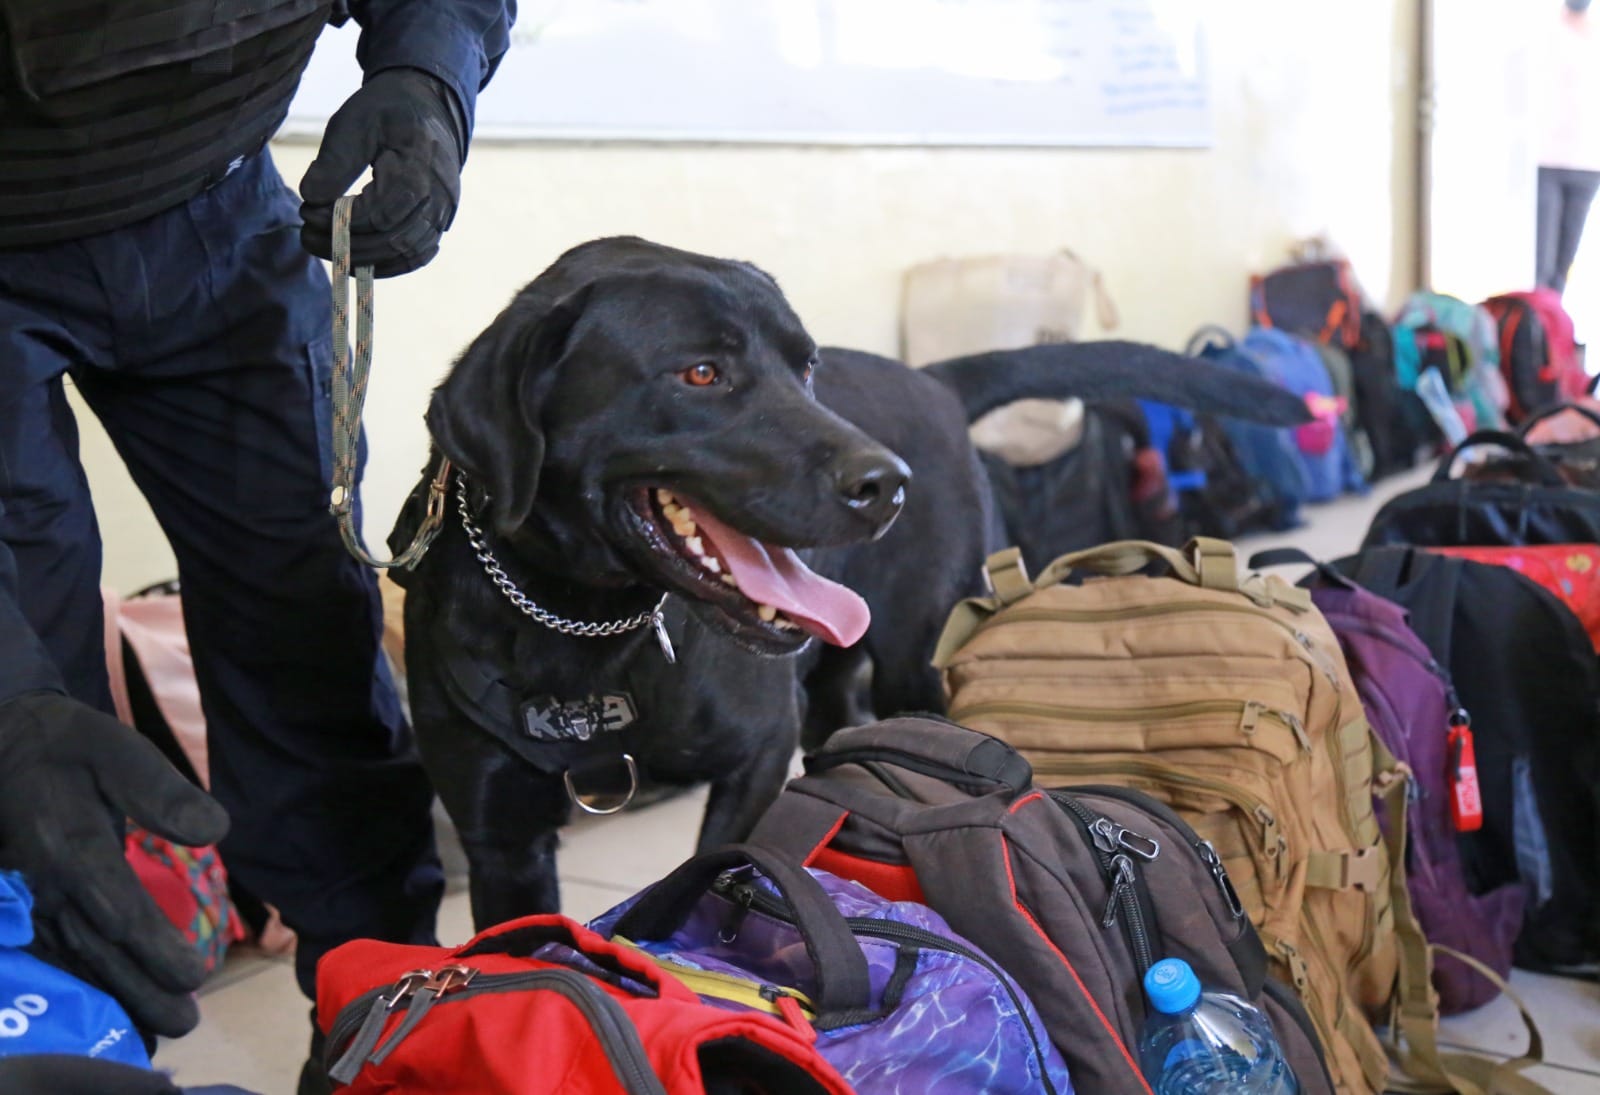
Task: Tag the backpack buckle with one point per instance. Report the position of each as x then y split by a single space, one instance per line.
1363 870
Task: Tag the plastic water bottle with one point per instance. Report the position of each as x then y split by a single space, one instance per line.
1207 1043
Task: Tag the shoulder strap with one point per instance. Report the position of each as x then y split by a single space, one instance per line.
1415 1024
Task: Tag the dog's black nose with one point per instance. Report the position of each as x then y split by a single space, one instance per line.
873 484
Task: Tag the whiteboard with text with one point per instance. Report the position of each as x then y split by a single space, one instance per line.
863 72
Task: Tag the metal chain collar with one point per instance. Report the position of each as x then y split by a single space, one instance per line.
525 604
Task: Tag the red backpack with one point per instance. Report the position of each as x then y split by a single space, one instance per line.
541 1006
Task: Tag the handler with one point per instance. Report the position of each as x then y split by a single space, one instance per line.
150 251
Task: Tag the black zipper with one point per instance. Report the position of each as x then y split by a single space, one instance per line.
749 896
1202 848
611 1025
1111 844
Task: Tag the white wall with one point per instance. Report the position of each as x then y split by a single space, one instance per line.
1313 135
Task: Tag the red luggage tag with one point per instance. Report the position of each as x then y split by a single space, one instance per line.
1466 803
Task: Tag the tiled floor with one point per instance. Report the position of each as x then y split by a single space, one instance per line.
254 1026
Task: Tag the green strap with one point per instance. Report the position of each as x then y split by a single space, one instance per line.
1414 1026
1008 577
350 395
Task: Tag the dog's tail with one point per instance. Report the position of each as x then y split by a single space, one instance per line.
1095 371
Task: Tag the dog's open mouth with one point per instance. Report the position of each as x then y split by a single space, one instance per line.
762 586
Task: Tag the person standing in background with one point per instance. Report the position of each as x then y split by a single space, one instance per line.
1569 148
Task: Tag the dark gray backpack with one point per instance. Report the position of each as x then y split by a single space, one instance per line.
1075 893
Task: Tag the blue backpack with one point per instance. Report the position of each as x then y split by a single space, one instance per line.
1320 446
1267 452
46 1010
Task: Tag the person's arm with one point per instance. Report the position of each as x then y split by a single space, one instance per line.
68 776
425 62
459 42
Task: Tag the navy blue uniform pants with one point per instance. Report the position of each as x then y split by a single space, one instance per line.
200 338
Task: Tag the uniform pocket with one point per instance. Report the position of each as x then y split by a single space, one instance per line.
319 376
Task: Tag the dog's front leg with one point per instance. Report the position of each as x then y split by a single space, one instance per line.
512 880
738 799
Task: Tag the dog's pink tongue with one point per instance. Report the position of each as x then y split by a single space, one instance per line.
775 576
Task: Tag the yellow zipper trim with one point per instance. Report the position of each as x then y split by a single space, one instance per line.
725 986
1250 712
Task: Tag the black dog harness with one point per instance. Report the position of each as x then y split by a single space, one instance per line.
581 740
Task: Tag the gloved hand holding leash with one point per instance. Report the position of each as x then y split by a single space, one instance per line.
408 127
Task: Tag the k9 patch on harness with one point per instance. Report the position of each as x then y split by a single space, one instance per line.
545 718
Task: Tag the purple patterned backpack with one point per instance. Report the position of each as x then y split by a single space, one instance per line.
1412 707
901 1005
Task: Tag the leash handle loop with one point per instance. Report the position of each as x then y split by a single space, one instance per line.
350 373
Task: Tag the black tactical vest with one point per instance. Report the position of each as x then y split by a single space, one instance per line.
114 110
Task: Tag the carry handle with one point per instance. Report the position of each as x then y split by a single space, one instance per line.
839 966
965 758
1209 337
1203 562
1289 556
1544 470
1553 409
526 935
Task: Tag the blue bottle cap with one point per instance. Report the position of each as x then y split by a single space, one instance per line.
1171 986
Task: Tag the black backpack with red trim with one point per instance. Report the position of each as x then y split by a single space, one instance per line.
1525 356
1316 300
1076 892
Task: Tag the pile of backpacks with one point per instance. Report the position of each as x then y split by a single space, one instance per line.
1383 396
1349 806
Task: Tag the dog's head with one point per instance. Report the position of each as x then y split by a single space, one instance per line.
647 413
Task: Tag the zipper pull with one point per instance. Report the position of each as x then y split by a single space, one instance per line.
1299 728
742 899
1250 716
789 1010
1123 880
448 979
1230 896
1466 802
1316 656
1273 841
1110 838
1297 966
346 1068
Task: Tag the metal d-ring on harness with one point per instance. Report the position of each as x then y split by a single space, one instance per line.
350 394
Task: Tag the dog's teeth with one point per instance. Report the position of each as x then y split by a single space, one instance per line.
696 545
729 579
783 623
664 496
767 613
673 511
683 526
712 563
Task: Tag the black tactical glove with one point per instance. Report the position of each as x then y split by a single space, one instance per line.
68 775
408 127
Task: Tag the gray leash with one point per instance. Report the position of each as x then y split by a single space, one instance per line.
350 395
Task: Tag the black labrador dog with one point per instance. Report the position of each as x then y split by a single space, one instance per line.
669 514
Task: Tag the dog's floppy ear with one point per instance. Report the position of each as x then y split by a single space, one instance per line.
485 415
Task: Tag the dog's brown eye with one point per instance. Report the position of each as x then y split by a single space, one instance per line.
701 375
